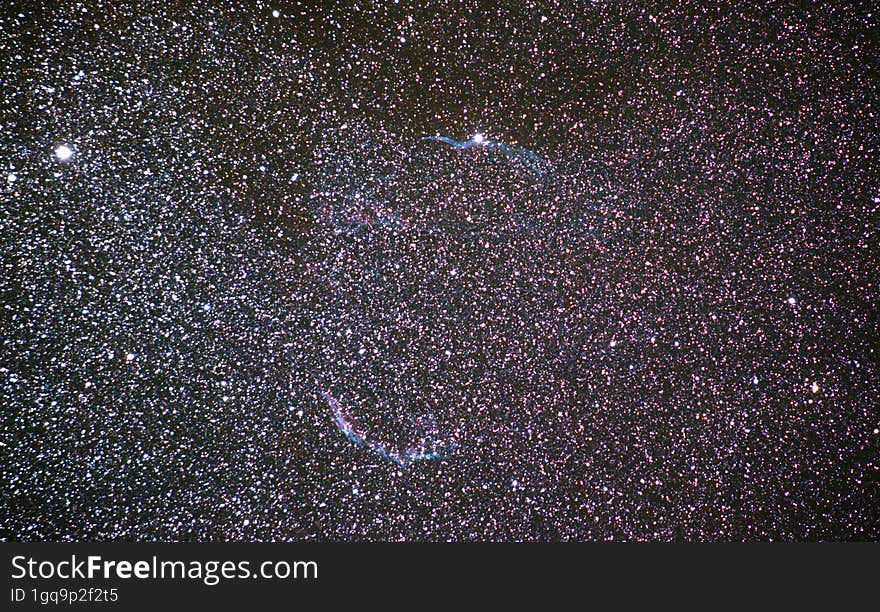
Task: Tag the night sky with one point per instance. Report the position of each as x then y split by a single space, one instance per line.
633 295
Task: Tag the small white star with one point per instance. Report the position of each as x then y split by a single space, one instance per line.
479 138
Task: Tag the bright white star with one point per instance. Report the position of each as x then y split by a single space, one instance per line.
63 152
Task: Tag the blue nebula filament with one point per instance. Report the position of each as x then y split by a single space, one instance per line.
426 448
527 158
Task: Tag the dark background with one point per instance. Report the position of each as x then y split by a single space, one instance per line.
171 296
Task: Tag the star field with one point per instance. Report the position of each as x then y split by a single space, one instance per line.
249 292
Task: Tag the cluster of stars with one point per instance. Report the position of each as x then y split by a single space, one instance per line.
217 216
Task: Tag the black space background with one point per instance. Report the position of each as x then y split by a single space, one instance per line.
167 322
